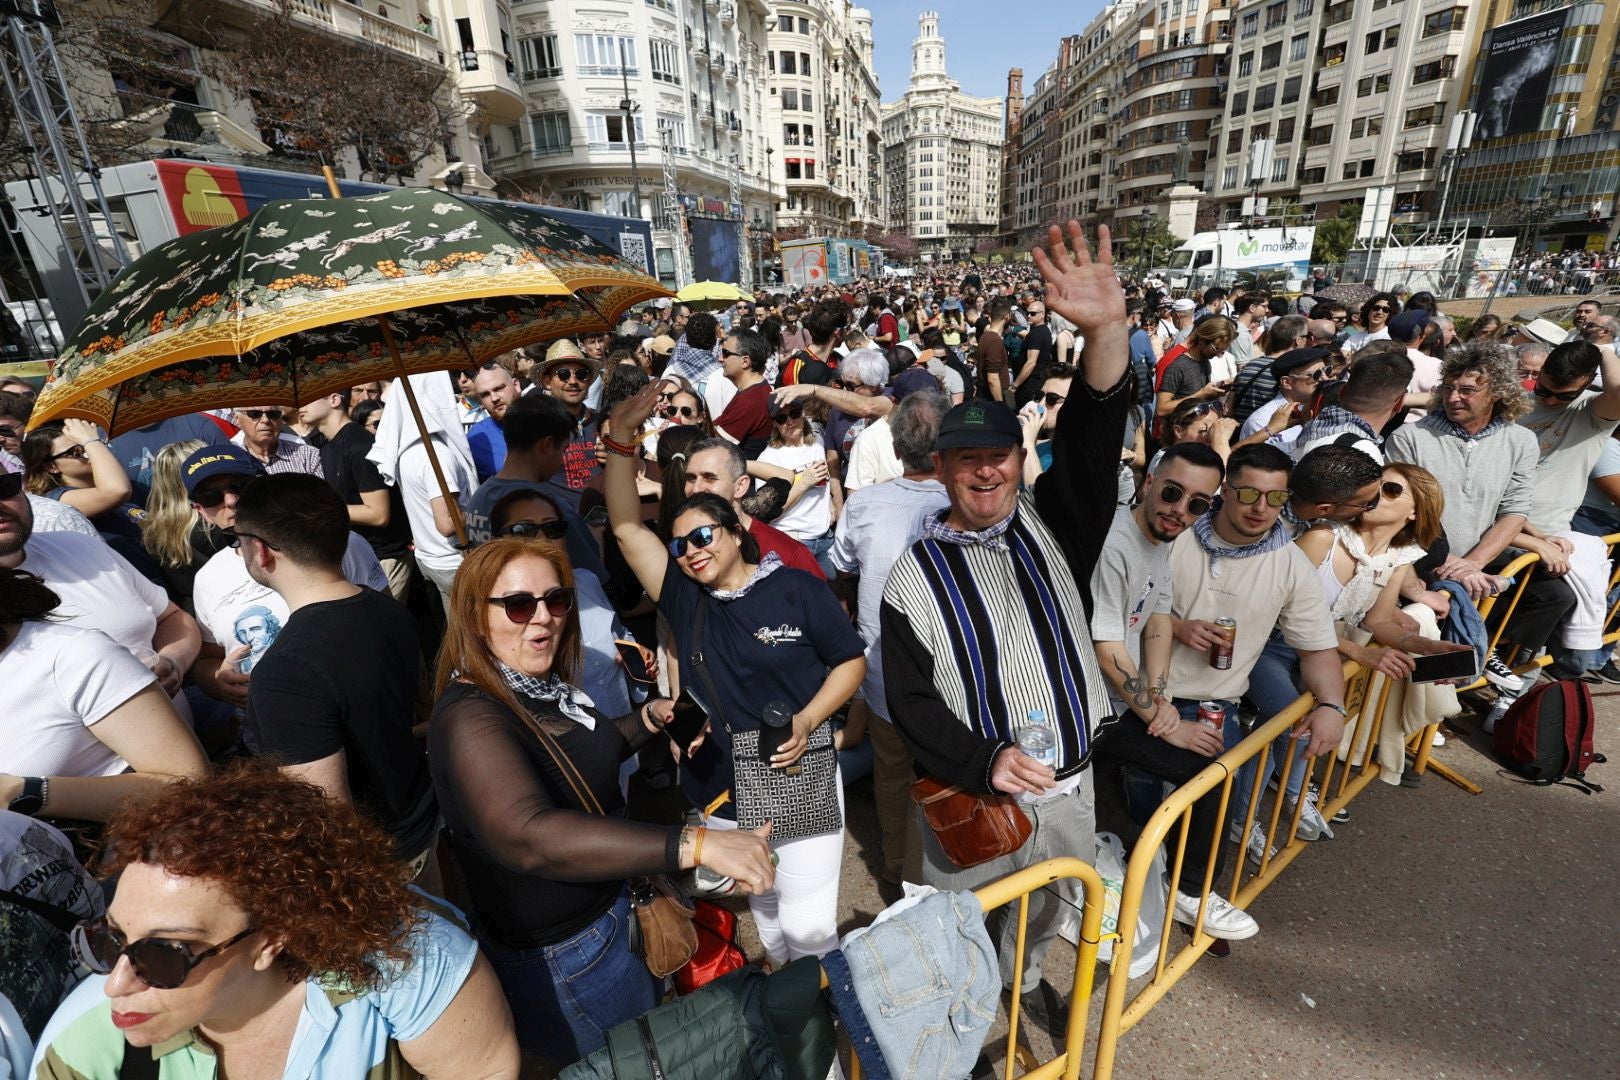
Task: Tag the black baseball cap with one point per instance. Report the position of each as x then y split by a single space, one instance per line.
1294 359
978 424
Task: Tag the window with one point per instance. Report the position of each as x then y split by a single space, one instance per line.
1240 103
1246 65
1299 46
1366 169
550 131
1373 84
1333 56
1317 175
1328 95
1234 141
790 63
1434 70
540 57
607 131
804 101
1350 170
666 61
1251 24
1412 160
1265 97
1303 8
1373 39
620 204
676 127
793 170
1366 125
804 25
804 63
1425 116
1285 130
790 134
1279 170
1319 136
598 54
809 134
1444 22
1392 37
1276 14
1229 176
1291 89
809 170
1270 56
790 98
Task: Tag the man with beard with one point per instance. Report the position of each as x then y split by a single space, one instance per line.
496 390
1130 630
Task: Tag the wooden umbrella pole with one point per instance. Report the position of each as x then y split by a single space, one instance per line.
450 502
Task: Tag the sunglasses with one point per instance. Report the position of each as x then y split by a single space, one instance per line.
75 452
673 411
571 374
1171 493
1385 308
796 412
1053 400
262 414
11 485
1392 490
160 964
551 530
727 352
1248 496
9 432
211 498
700 537
1566 396
236 536
520 607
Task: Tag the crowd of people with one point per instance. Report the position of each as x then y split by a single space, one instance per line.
355 716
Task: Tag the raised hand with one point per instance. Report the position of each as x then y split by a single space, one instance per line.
1084 290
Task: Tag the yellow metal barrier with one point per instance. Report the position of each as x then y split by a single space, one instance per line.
1016 888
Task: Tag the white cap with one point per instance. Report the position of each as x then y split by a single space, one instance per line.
1183 304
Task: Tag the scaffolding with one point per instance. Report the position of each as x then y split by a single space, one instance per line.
670 217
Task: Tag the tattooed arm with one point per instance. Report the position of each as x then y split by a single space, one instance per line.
1137 690
1156 642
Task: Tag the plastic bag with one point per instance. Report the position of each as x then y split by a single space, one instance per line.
1110 864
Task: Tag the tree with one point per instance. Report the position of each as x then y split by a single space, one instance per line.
1145 238
899 244
1334 235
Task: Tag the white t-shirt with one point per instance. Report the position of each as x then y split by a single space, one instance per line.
98 588
419 487
64 680
233 609
872 459
1261 417
811 516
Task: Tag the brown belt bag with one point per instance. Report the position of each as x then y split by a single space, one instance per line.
971 829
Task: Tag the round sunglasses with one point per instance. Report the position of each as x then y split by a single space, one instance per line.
570 374
551 530
520 607
1171 494
160 963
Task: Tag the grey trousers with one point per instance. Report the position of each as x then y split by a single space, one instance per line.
1064 826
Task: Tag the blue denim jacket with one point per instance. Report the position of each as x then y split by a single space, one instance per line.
1464 624
923 985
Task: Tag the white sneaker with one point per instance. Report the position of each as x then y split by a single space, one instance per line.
1221 919
1312 826
1256 846
1439 739
1501 676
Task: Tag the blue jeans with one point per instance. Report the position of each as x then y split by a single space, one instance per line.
566 997
1273 686
820 547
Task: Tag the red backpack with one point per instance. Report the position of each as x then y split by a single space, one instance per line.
1546 736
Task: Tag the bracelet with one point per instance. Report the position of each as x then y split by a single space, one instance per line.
697 848
1336 708
622 449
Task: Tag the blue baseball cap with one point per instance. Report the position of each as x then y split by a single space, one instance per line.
227 460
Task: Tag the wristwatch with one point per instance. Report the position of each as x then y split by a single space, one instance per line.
36 790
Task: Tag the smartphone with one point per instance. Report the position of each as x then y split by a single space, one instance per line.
1462 666
687 723
635 664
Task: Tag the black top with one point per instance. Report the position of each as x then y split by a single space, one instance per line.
342 675
539 868
180 581
343 459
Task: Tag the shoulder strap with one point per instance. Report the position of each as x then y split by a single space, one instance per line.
565 764
59 917
700 666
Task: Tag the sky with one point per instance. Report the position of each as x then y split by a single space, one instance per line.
983 38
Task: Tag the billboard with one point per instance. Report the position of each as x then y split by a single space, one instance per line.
804 263
714 250
1288 250
1490 260
1420 267
1519 59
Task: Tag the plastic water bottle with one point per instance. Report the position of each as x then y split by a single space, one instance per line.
776 728
1037 739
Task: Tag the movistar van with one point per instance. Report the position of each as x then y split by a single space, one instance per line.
1282 256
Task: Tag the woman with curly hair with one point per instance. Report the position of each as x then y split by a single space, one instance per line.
260 928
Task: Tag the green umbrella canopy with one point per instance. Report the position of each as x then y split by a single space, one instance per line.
283 306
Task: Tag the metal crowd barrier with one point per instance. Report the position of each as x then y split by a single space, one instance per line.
1016 888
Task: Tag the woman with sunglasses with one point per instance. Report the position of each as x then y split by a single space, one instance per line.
811 505
68 460
548 875
769 634
1376 315
259 928
173 532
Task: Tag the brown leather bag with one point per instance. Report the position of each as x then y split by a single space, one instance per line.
971 829
667 938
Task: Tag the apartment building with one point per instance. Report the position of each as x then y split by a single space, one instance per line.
942 155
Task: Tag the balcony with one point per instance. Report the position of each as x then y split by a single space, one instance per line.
200 21
717 62
489 78
731 72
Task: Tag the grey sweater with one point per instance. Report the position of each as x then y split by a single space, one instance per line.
1483 478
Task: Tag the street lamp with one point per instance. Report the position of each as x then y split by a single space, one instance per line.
629 108
1141 242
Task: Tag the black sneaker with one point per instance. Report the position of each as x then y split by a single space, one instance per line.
1608 673
1045 1008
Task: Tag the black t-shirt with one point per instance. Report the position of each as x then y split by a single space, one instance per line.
342 675
774 643
343 459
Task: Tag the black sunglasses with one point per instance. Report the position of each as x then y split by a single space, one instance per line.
1385 308
1171 493
160 963
700 537
11 485
520 607
1053 400
216 495
727 352
795 412
75 451
1566 396
9 431
1392 490
260 414
236 536
680 410
571 374
551 530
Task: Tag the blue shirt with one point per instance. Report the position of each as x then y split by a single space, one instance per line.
138 449
488 445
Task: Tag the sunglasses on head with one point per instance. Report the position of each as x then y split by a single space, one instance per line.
213 496
571 374
262 414
700 537
160 963
551 530
520 607
794 412
1171 493
1248 496
1053 400
1566 396
11 485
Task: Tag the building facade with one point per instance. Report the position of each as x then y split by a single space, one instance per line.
942 155
822 111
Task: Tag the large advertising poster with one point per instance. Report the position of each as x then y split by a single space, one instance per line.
1519 61
805 264
714 250
1288 250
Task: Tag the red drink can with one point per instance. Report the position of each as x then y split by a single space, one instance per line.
1220 653
1212 714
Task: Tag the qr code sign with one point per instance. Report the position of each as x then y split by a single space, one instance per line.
633 246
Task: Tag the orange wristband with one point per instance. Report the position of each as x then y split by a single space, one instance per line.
697 848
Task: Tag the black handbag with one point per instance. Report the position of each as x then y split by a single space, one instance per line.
798 802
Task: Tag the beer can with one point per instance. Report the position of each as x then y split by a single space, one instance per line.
1212 714
1220 653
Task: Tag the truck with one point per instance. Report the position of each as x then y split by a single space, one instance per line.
825 261
152 202
1227 256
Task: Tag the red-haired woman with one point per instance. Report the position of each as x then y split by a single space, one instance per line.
547 876
260 928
